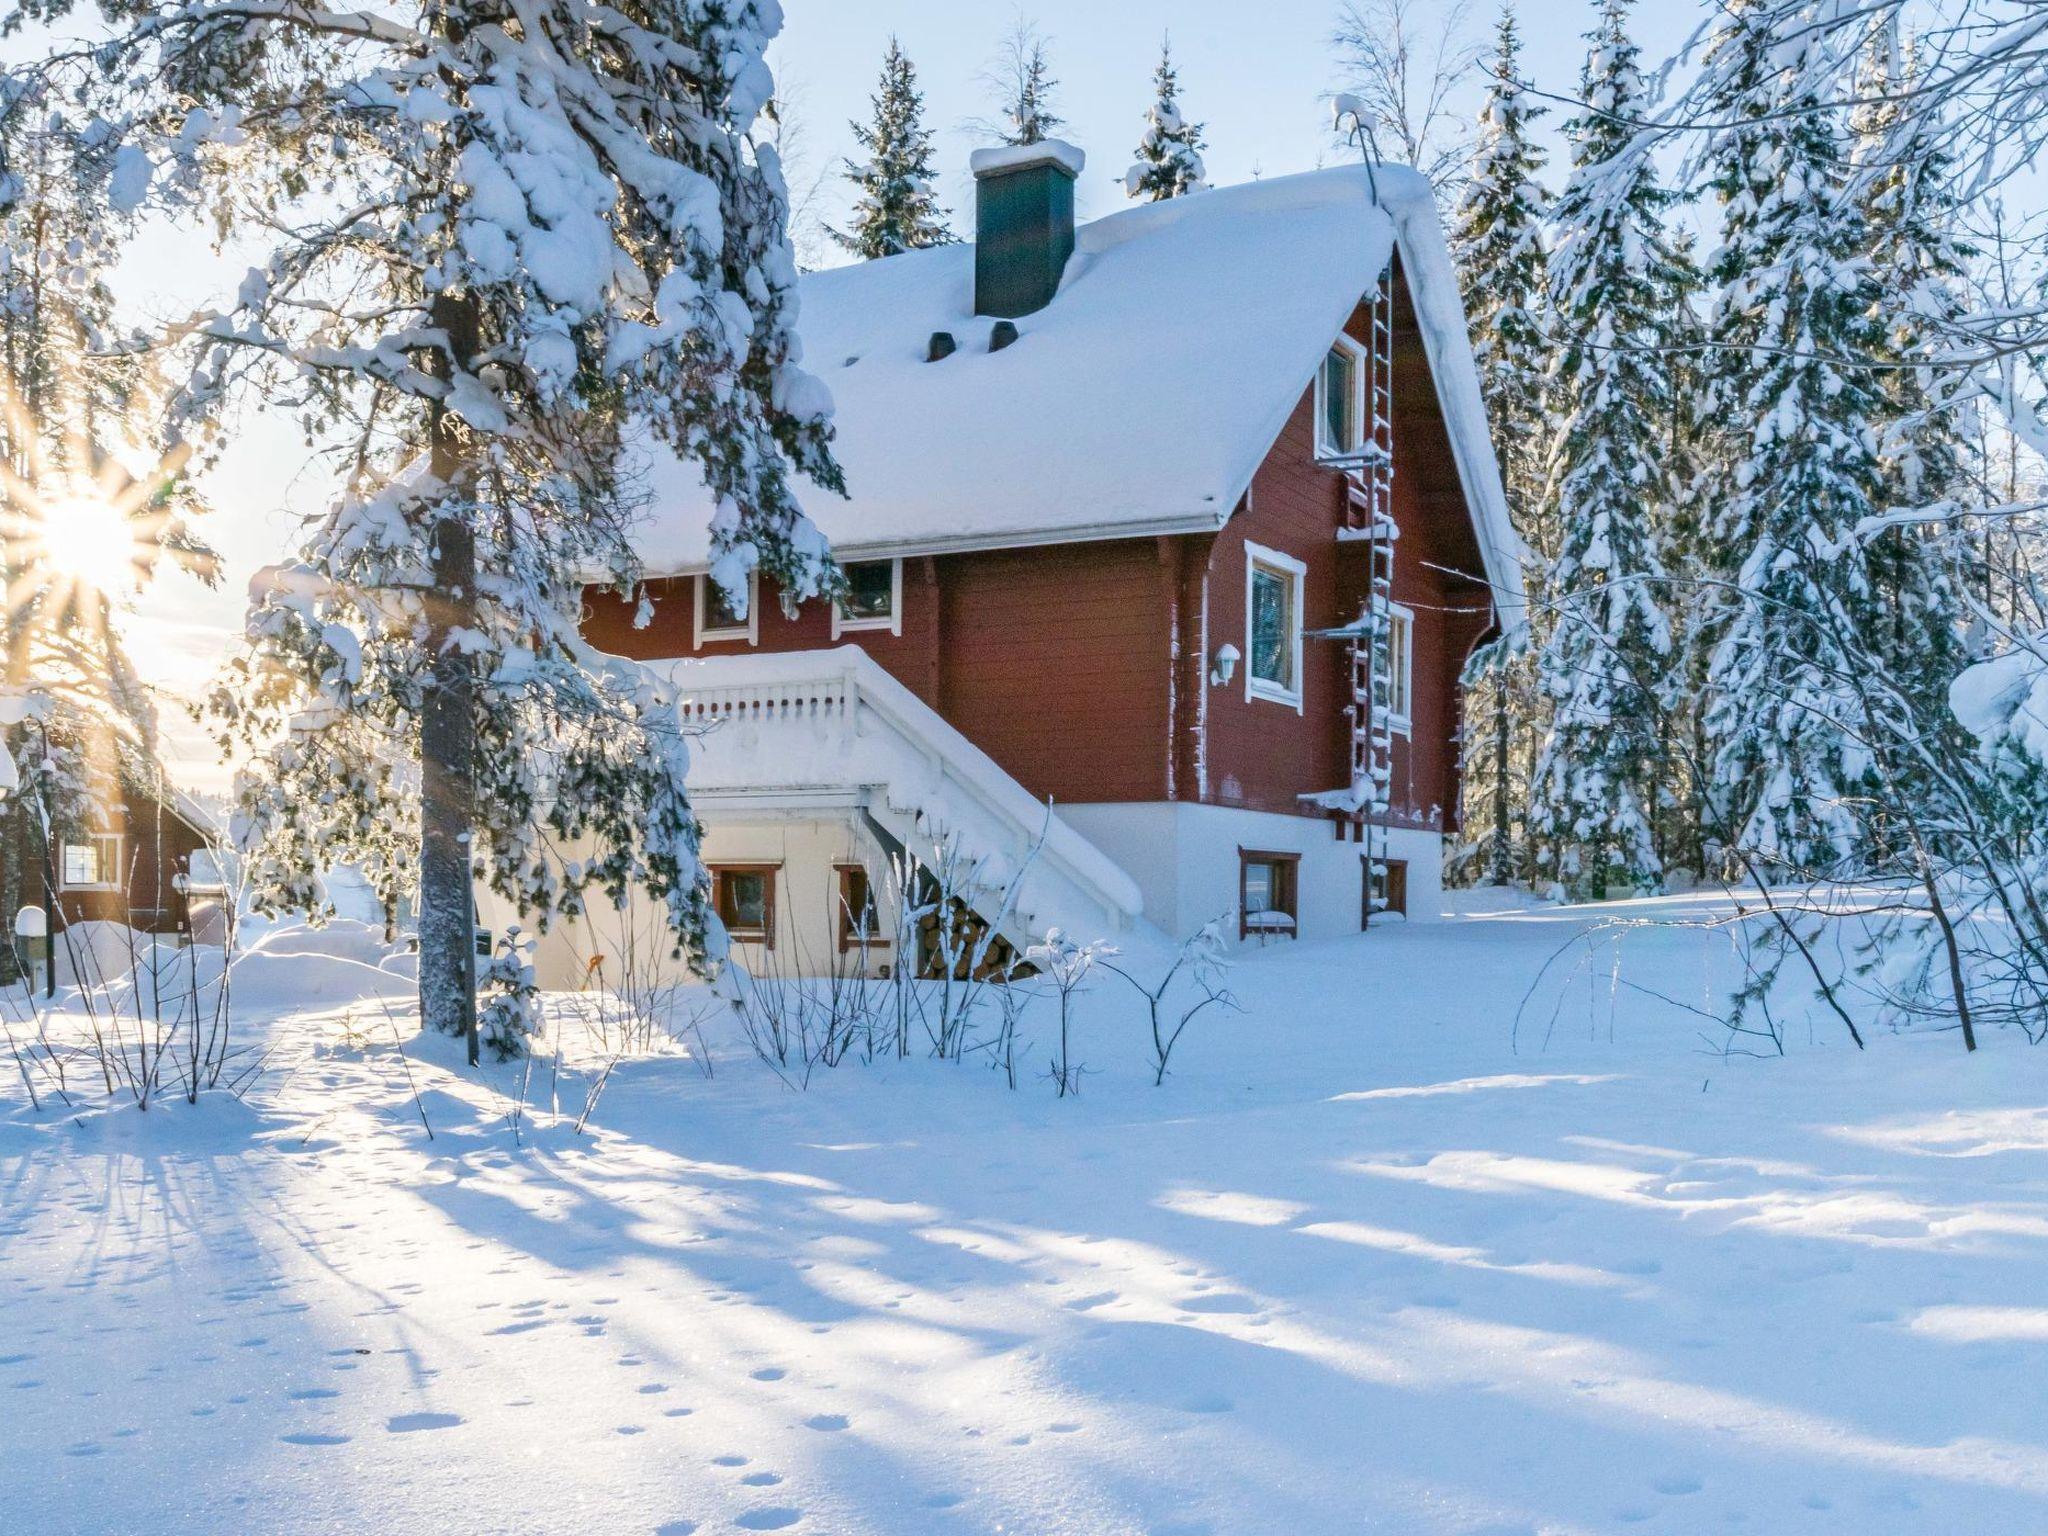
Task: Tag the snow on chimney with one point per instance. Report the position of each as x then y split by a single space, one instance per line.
1023 224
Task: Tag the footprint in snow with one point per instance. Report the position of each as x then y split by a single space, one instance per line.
312 1439
1676 1483
1209 1403
770 1373
769 1519
762 1479
729 1460
309 1394
411 1423
1066 1428
827 1421
676 1528
1220 1301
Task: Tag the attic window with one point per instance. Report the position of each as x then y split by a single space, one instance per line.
874 597
1340 407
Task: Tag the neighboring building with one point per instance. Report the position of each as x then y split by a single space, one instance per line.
144 861
1185 523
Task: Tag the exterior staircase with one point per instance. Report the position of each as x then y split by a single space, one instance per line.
831 732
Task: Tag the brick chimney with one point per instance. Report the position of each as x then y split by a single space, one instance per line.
1023 224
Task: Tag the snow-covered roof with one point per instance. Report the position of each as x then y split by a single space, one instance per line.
1140 401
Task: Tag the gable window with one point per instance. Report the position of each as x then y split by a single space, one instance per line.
744 897
860 922
716 619
1340 406
1399 703
1267 885
1273 625
92 862
874 597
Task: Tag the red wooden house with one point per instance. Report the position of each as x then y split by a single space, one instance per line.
1184 522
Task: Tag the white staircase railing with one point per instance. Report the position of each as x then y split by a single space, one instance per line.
834 722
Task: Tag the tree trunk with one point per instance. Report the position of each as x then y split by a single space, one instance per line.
1502 871
447 979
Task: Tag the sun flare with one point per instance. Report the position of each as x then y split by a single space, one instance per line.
92 542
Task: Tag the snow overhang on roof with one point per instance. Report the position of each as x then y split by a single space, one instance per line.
1141 401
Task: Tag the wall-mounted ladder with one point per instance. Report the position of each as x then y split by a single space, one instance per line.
1369 520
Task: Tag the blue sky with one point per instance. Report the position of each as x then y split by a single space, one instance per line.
1255 75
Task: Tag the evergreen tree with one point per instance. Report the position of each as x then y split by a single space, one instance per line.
507 242
896 210
1918 266
1497 240
1023 77
1795 463
1604 667
1169 162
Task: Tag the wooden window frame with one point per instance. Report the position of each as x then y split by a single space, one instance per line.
1401 679
1289 865
749 632
1397 890
1355 406
848 940
764 935
94 839
893 623
1274 562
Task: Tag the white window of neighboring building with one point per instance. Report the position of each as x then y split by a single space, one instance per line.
873 600
1272 625
1399 702
717 621
1340 398
92 862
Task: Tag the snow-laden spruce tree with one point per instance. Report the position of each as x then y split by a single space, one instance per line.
1169 162
507 242
1919 266
1605 662
896 209
1497 239
1794 464
84 520
1024 84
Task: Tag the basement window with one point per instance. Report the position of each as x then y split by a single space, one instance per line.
744 897
1267 891
1273 584
93 862
1386 889
860 922
874 597
716 619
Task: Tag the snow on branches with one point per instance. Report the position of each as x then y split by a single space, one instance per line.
1169 160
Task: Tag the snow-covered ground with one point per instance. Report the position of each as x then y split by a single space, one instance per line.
1362 1264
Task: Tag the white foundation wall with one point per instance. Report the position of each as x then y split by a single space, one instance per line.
1185 860
806 853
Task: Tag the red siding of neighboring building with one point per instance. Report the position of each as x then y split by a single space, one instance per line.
1082 668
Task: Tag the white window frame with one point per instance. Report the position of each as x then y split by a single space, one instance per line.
1296 571
1401 680
114 862
842 625
1356 353
749 632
